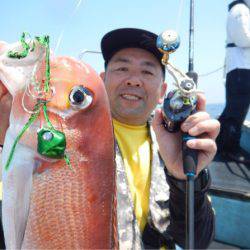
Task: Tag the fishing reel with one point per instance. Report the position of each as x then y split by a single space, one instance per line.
177 106
181 102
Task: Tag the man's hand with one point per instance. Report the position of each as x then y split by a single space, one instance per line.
199 125
5 106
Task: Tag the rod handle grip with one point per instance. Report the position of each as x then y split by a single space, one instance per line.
189 156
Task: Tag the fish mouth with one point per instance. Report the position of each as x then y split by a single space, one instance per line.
131 97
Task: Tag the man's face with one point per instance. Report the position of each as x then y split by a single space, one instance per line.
134 83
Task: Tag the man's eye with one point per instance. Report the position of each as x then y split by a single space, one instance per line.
146 72
122 69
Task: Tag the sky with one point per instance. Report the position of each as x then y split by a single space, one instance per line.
78 25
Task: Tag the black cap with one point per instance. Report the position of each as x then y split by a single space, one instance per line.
118 39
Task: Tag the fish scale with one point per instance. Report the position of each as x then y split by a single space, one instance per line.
75 208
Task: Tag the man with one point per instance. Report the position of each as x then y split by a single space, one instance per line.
150 188
237 81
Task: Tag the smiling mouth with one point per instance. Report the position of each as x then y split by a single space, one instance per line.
131 97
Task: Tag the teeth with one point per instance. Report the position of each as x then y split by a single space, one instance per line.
131 97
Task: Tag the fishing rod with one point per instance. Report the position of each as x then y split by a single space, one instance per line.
191 73
190 156
177 106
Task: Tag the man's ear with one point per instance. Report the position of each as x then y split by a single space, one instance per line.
163 91
102 75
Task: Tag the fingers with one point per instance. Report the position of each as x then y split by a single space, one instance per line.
207 149
194 119
3 89
206 144
200 123
201 102
5 102
210 127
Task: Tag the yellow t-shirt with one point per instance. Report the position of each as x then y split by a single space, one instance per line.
134 143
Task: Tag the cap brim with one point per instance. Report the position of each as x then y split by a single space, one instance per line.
119 39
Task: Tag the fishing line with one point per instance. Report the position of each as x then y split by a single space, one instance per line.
179 15
77 6
212 72
28 92
73 13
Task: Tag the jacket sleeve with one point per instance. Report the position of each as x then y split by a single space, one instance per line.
204 216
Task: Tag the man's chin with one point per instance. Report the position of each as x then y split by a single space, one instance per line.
133 112
133 116
131 104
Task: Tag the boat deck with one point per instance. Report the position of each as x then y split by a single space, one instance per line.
229 179
230 176
230 192
221 245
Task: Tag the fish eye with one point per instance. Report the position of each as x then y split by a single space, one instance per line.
80 97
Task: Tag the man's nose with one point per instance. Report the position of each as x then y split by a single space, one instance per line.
134 81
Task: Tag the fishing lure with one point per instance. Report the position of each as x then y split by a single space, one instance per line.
51 142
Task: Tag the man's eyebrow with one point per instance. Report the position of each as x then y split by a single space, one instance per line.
121 59
149 63
126 60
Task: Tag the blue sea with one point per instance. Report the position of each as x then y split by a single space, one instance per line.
216 109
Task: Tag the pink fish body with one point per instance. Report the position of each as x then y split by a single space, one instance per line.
46 205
